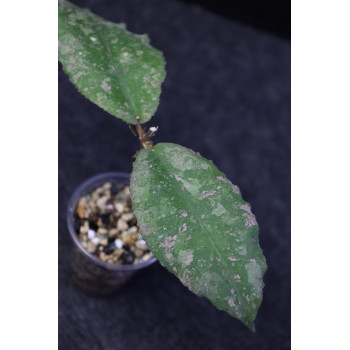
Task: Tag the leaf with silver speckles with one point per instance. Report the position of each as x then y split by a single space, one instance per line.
197 224
118 70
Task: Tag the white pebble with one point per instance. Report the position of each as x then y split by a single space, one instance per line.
95 240
91 234
109 206
118 243
142 242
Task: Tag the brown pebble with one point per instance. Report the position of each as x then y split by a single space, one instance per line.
127 216
147 257
92 206
138 253
102 231
113 233
81 211
103 256
128 239
94 196
101 202
91 248
133 229
83 201
118 253
119 207
99 190
87 212
84 229
122 225
104 241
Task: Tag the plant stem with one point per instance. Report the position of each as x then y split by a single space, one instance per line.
142 135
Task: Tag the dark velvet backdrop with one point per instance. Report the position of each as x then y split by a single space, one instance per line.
273 16
227 96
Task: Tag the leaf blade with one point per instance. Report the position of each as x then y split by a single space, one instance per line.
199 227
115 69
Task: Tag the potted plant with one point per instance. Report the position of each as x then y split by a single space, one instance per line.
192 217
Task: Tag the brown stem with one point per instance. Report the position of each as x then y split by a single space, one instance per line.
142 135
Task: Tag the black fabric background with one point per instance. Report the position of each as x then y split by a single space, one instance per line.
227 96
273 16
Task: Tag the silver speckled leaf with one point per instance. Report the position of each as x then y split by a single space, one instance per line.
118 70
196 223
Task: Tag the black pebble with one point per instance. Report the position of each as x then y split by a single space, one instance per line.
77 224
109 249
133 221
105 218
115 189
93 225
128 258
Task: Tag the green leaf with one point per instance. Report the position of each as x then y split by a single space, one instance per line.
196 223
116 69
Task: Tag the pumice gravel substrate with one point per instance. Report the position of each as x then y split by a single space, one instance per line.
107 227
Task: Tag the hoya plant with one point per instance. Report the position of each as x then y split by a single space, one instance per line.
192 217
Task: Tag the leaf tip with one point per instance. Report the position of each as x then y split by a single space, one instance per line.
252 327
